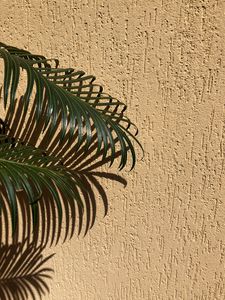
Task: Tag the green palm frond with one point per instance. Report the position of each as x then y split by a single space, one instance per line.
53 136
60 94
39 190
29 169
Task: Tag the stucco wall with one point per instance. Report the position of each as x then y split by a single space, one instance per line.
164 236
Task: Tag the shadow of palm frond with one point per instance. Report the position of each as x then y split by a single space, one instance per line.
23 272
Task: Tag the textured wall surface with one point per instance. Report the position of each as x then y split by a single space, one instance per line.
164 236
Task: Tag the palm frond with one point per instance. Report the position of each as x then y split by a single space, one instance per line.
55 134
38 189
29 169
65 102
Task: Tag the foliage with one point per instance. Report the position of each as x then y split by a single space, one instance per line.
52 134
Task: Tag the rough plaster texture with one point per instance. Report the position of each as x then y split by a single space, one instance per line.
164 236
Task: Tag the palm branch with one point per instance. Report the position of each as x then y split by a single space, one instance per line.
60 128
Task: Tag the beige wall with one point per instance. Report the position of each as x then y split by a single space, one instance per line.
164 236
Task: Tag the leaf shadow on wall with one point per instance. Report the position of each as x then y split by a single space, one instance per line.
23 272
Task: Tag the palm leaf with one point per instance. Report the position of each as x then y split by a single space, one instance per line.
29 169
38 189
57 132
60 94
22 272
